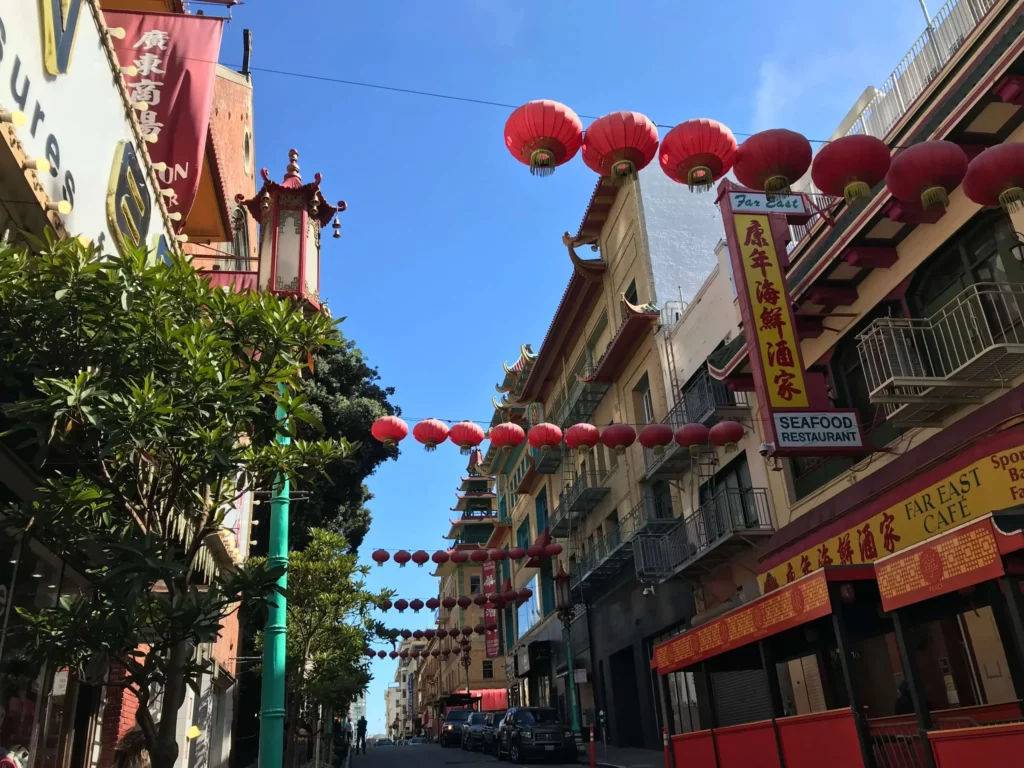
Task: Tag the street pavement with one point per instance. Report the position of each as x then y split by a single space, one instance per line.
432 756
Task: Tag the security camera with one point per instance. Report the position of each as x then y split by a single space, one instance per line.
767 449
649 590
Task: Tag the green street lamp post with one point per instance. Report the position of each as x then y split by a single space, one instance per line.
563 603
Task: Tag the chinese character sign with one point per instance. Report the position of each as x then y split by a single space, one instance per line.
772 315
175 66
490 574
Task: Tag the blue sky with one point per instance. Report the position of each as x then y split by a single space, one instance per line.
451 253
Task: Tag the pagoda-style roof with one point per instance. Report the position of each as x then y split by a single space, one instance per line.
637 322
473 502
517 373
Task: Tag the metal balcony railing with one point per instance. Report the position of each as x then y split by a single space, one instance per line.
585 493
730 516
581 400
921 368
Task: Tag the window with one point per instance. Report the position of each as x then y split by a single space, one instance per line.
523 534
474 585
630 293
547 588
643 404
540 507
488 669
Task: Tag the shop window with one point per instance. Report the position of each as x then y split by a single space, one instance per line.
487 669
474 585
540 508
523 534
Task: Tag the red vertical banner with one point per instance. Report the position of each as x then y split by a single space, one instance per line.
490 572
169 63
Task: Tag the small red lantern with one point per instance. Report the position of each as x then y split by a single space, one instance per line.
446 653
582 437
543 134
380 556
385 605
390 430
429 634
449 603
618 437
491 626
478 555
996 177
406 633
440 557
771 160
435 653
516 553
525 594
453 632
497 555
404 654
620 144
656 437
420 557
464 602
467 631
371 653
480 600
850 167
697 152
693 436
401 605
480 629
416 605
726 434
402 557
393 654
433 603
544 437
494 597
552 550
535 551
511 596
459 557
506 435
431 433
418 634
466 435
927 172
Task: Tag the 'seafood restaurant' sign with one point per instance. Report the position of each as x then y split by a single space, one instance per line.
54 68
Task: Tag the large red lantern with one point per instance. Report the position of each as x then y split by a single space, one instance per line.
464 602
402 557
698 153
544 437
850 167
507 435
480 629
497 555
401 605
385 605
380 556
420 557
543 134
416 605
390 430
620 144
516 553
534 551
458 557
656 437
449 603
772 160
726 434
404 654
510 596
440 557
927 172
433 603
693 436
618 437
431 433
480 600
552 550
996 177
582 437
466 435
371 653
478 556
495 598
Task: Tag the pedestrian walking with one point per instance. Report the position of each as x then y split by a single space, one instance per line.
361 734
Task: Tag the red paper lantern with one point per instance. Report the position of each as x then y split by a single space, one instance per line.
480 629
404 654
552 550
449 603
380 556
996 177
516 553
494 597
390 430
850 167
510 596
429 634
420 557
393 654
927 172
480 600
507 435
371 653
418 634
467 631
402 557
497 555
435 653
416 605
453 632
459 557
385 605
693 436
582 437
620 144
618 437
433 603
466 435
464 602
525 594
491 626
544 437
726 434
431 433
446 653
543 135
534 551
656 437
771 160
698 153
478 555
401 605
440 557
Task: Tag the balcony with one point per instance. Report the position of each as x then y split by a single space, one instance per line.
233 280
546 463
923 369
576 502
607 557
581 400
730 521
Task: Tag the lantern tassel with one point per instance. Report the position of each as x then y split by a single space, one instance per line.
1012 199
700 178
542 162
776 185
934 196
466 450
855 192
658 450
429 447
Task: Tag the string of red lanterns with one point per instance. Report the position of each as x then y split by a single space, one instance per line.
457 556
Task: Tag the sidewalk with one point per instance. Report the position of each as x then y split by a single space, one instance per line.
623 757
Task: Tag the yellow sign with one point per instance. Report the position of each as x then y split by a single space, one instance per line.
991 484
60 26
772 314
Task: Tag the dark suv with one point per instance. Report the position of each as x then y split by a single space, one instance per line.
473 731
489 733
531 732
451 730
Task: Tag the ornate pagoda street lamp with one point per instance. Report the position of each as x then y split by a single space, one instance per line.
466 662
564 606
291 215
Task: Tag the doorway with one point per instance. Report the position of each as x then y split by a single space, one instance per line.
625 718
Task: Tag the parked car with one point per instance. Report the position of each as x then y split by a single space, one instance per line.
384 743
472 731
489 732
416 740
535 732
451 730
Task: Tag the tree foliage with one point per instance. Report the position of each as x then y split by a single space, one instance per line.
146 398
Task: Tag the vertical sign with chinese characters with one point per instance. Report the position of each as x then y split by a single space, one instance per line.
774 330
175 64
490 573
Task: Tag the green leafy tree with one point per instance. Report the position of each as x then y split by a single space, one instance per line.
147 400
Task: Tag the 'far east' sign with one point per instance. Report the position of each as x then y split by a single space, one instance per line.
759 202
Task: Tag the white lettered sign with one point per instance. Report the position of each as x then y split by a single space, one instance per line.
821 429
759 202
